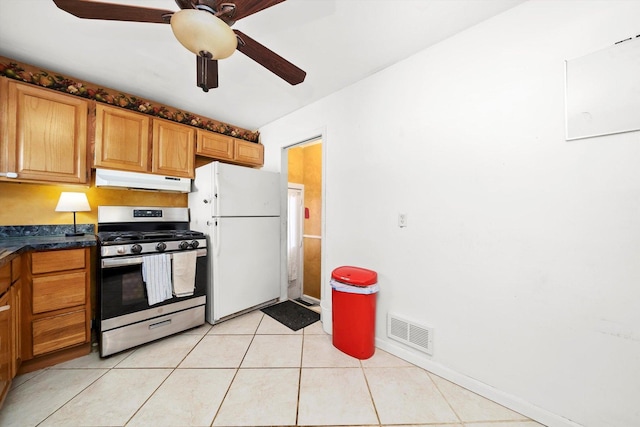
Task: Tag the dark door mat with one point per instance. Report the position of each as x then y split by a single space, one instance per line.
303 302
292 315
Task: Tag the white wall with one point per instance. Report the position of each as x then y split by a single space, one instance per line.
522 249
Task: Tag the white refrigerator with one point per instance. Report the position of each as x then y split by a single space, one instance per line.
239 209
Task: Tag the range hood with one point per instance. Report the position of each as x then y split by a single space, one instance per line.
141 181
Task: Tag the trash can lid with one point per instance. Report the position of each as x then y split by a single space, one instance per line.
355 276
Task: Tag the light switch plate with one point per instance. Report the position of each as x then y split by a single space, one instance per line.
402 220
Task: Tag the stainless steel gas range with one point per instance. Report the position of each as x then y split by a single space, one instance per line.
151 276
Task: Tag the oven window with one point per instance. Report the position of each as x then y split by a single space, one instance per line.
122 291
133 289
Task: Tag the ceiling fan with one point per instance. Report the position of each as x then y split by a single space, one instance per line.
203 27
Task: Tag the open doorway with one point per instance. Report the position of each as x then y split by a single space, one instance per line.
304 223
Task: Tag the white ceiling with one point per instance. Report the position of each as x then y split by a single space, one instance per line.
337 42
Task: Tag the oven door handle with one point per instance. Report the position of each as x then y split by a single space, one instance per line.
123 262
120 262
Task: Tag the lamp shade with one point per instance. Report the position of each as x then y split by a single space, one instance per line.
200 31
73 202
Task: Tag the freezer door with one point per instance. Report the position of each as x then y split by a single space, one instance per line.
245 261
201 199
242 191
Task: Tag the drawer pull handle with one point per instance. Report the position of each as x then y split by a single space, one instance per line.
160 324
5 308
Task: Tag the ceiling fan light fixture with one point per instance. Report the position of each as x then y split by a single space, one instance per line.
200 31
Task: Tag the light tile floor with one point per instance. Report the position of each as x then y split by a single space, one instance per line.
247 371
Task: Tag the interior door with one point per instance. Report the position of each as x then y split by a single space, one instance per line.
295 230
245 264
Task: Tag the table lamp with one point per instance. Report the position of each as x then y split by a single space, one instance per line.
73 202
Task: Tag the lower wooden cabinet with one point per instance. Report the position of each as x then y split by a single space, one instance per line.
10 287
56 318
5 345
16 340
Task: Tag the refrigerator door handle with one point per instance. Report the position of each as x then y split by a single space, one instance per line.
216 199
216 238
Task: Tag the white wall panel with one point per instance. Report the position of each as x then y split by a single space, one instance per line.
522 248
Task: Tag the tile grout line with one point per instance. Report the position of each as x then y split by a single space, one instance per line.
299 379
373 402
235 374
444 397
74 396
163 381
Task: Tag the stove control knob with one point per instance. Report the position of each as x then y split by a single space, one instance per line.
183 245
136 249
160 247
121 250
194 244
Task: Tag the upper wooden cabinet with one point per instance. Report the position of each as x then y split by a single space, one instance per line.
121 139
173 149
249 153
135 142
228 149
43 136
210 144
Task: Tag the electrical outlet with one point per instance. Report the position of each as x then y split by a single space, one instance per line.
402 220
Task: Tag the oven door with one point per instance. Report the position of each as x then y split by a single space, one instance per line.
122 290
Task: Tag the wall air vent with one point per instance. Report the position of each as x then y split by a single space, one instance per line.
409 333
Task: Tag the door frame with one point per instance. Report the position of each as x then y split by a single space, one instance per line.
325 288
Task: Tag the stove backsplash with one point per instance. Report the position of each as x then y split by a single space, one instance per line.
8 231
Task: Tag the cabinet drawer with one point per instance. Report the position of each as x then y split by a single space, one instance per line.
50 261
57 332
58 291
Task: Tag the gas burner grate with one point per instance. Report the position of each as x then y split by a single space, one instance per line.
115 237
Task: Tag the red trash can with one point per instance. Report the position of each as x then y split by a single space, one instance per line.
353 295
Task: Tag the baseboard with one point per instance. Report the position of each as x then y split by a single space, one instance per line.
326 319
512 402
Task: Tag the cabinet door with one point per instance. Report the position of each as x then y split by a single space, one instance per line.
5 278
4 149
214 145
5 345
173 149
249 153
16 341
45 136
121 139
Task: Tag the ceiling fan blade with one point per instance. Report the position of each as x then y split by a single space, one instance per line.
185 4
207 73
244 8
269 59
113 12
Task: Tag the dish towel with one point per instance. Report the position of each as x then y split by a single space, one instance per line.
156 273
184 273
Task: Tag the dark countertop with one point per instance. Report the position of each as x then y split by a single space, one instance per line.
12 246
